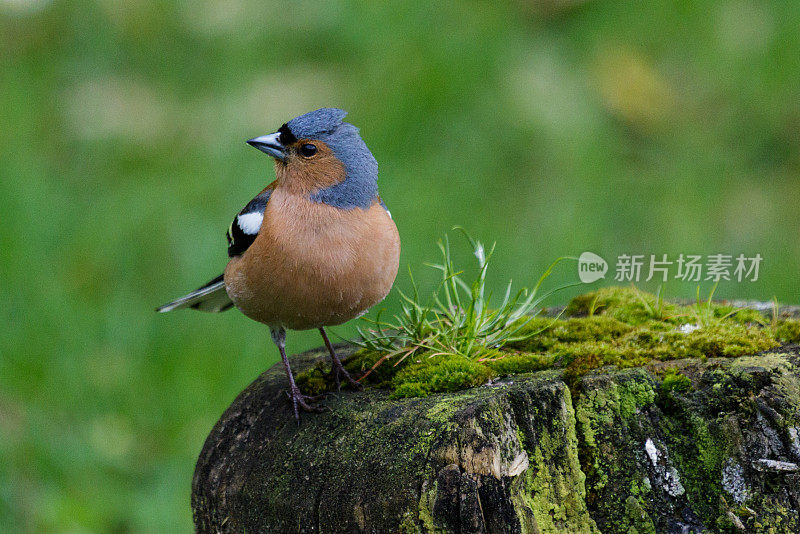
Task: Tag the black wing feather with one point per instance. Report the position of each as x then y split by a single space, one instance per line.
239 239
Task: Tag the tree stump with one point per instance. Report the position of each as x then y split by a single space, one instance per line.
615 451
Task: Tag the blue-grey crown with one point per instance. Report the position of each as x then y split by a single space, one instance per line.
360 186
316 123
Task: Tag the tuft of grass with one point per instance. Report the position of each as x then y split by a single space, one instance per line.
654 306
593 306
706 314
460 318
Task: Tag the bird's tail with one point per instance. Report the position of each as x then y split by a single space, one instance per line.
212 297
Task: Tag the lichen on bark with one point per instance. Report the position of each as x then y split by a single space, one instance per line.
696 460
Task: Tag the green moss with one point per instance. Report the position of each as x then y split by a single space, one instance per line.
580 358
313 381
637 393
780 367
626 304
556 494
614 326
787 331
675 381
596 328
742 315
726 339
699 429
371 363
409 525
509 364
637 518
439 374
603 413
410 389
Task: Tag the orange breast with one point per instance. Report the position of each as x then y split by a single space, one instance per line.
313 265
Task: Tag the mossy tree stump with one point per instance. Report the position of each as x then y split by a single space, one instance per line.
615 451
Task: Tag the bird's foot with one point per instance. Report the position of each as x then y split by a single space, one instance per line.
338 372
337 369
303 402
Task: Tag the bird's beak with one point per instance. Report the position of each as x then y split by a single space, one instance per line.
270 144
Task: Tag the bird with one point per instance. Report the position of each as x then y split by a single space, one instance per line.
317 247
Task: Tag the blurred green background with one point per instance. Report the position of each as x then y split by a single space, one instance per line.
550 126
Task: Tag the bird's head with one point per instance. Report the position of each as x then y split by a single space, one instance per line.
319 156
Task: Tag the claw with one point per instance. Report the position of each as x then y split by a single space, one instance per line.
337 369
337 372
303 402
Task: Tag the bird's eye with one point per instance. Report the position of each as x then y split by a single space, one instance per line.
308 150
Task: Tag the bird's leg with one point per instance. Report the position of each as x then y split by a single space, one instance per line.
297 397
337 369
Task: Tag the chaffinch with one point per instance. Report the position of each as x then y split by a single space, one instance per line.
317 247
